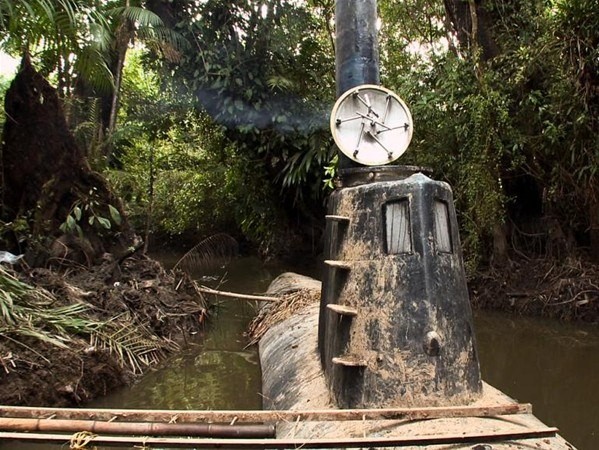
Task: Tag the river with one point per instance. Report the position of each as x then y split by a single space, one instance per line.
554 366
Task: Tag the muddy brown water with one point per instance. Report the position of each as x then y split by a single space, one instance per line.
554 366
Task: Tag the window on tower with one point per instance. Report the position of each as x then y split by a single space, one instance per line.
442 227
397 227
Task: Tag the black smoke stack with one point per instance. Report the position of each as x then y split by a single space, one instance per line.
357 58
357 50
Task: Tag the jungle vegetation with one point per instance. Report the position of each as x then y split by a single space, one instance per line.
212 115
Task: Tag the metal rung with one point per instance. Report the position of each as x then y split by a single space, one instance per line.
348 361
343 310
338 264
334 218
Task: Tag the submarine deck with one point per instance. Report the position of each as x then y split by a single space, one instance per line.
288 351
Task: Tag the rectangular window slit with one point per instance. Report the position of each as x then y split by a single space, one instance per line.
442 227
397 227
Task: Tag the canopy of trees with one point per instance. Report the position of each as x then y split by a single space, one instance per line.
213 114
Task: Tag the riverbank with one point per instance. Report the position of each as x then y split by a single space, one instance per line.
71 335
566 290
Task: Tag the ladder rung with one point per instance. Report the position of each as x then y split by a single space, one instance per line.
349 361
335 218
343 310
338 264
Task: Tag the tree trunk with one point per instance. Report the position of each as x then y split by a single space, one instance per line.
500 245
472 33
124 35
594 228
46 177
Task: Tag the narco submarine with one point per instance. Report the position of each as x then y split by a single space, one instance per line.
388 357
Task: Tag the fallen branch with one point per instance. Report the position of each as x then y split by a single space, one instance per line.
259 298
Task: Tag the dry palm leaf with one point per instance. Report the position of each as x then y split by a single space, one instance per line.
277 312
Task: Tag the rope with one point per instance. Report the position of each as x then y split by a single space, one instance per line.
80 440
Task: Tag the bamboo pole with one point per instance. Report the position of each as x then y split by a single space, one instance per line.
344 442
261 416
259 298
138 428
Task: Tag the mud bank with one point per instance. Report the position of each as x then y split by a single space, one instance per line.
143 310
560 289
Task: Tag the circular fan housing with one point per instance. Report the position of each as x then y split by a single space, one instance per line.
371 125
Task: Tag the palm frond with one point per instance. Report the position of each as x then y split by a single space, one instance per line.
162 36
11 290
141 16
134 345
99 28
6 308
57 341
65 25
28 312
64 320
70 9
211 252
6 10
92 66
45 6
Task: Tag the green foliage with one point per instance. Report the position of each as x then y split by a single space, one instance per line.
172 160
264 73
463 131
259 219
485 125
84 116
574 102
65 36
74 38
330 173
4 85
90 211
217 177
174 180
229 127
